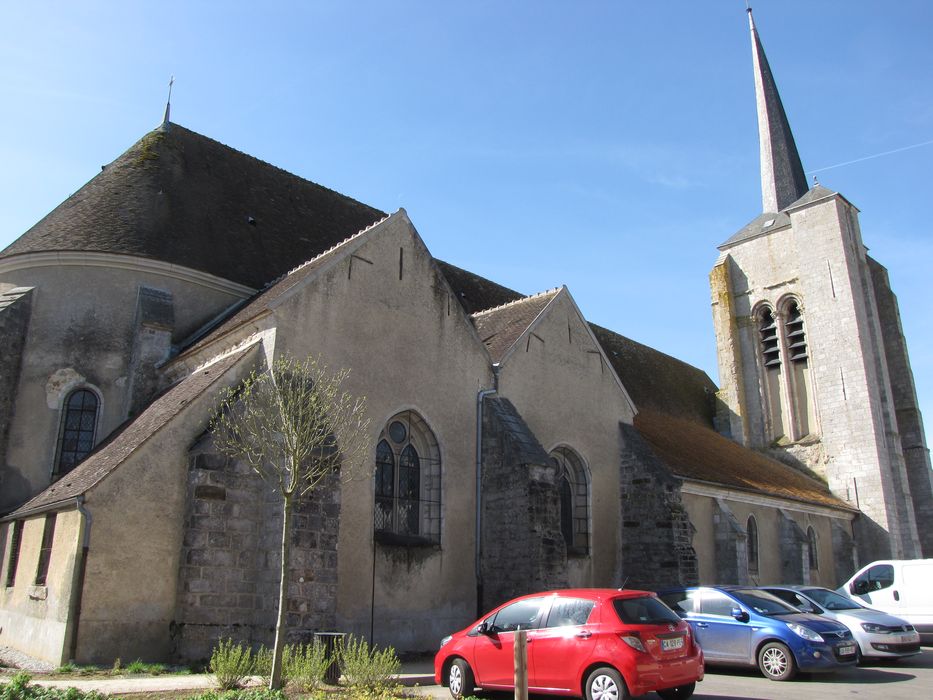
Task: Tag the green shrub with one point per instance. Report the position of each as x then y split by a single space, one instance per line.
67 668
305 664
19 689
367 668
262 664
251 694
231 664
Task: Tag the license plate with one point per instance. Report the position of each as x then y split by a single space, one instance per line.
672 644
846 651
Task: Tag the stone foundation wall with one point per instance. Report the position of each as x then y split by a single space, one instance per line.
15 309
229 574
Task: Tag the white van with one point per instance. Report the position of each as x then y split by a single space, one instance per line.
900 587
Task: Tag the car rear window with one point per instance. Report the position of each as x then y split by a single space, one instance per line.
646 610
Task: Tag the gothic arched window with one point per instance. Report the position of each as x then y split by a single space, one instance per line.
574 491
408 481
751 532
79 425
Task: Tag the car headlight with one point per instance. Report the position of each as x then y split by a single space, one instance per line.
804 632
875 628
446 639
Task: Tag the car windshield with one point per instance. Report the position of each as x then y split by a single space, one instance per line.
762 602
830 599
645 610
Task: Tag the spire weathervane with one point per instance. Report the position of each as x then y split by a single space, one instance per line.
168 102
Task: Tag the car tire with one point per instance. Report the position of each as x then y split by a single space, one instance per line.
605 683
681 692
460 681
777 662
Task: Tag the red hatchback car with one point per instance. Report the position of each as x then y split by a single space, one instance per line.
601 644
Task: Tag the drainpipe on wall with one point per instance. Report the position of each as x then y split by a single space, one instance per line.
77 580
480 396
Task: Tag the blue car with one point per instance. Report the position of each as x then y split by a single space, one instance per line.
744 626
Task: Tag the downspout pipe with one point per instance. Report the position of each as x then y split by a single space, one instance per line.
480 397
77 581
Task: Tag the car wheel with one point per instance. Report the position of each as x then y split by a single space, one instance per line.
776 662
681 692
460 680
605 683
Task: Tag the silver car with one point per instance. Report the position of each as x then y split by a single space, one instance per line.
879 635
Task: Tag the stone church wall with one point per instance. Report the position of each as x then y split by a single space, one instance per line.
657 535
15 309
230 560
523 550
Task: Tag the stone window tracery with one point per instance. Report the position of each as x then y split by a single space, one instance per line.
407 482
78 429
574 490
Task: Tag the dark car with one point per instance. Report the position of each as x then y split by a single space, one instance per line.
602 644
746 626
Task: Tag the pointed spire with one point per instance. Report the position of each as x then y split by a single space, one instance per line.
782 178
168 103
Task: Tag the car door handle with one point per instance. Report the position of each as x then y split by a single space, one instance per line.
897 596
702 625
584 634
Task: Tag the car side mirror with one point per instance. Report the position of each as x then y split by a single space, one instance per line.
740 615
484 628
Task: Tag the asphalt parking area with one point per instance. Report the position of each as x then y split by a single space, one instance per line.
907 679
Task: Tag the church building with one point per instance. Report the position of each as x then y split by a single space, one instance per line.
515 446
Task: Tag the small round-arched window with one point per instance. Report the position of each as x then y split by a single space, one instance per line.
79 425
751 531
813 553
408 481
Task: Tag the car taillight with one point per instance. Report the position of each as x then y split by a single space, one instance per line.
633 640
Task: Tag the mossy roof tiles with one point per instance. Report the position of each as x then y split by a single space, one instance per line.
692 451
500 327
179 197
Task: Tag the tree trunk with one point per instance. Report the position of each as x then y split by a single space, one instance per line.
275 679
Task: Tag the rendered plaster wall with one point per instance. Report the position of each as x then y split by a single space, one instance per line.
561 385
385 313
85 323
138 516
820 259
34 619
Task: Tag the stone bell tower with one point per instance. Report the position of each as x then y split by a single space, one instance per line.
813 362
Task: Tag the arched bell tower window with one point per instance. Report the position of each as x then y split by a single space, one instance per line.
751 549
78 429
408 482
773 384
574 491
785 367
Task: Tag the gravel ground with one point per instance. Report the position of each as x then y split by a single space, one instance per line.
19 661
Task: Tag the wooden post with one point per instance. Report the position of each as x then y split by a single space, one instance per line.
521 665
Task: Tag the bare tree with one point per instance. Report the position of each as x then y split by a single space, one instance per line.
295 426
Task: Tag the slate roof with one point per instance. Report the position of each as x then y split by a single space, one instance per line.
182 198
695 452
659 382
123 442
500 327
775 221
475 293
264 299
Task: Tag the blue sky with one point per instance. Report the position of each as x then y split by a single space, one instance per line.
608 146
